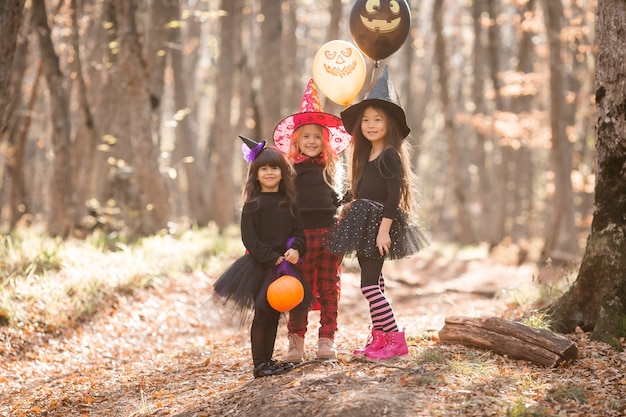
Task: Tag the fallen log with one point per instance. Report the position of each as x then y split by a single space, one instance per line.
509 338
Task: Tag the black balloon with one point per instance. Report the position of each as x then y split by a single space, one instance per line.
380 27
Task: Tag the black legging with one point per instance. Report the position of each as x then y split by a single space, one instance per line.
370 270
263 334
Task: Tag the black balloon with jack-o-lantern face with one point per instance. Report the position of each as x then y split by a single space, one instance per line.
380 27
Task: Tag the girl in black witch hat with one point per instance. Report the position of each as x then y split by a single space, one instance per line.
272 232
379 224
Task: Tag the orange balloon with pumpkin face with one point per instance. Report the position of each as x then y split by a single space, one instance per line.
339 71
380 27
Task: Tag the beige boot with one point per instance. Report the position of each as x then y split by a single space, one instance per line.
325 349
295 353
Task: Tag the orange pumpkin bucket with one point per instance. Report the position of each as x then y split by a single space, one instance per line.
285 293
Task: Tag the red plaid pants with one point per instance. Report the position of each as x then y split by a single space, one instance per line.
322 270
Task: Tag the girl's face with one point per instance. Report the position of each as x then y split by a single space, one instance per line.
269 178
374 126
311 141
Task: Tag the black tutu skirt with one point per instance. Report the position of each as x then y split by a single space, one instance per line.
243 286
358 227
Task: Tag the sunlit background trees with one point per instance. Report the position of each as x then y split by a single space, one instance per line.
123 116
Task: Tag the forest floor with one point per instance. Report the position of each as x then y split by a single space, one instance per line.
166 351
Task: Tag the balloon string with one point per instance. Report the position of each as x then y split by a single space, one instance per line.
373 74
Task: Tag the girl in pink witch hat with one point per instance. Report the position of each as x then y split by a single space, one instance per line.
312 141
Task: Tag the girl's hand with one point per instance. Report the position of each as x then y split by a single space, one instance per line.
383 240
292 255
279 260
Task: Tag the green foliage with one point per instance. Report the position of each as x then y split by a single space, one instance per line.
78 277
432 356
537 319
572 392
520 409
28 254
473 364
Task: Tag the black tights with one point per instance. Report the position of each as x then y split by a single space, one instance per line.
370 270
263 334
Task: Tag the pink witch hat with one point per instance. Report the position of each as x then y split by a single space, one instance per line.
311 113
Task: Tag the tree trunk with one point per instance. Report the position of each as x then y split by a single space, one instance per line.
270 50
19 198
161 14
61 185
186 147
13 133
597 300
224 141
292 79
480 110
86 137
560 232
464 232
499 187
10 21
521 105
416 84
156 207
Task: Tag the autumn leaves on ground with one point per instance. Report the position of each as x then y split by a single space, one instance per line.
101 328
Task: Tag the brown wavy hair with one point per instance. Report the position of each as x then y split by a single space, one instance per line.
287 187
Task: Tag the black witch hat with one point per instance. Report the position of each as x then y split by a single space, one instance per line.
251 149
382 94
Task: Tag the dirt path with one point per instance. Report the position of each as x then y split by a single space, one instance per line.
166 352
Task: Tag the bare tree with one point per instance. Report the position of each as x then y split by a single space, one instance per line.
269 51
223 140
87 133
60 221
560 231
187 152
10 21
464 231
597 300
156 206
521 105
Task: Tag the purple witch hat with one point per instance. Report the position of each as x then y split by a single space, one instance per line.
251 149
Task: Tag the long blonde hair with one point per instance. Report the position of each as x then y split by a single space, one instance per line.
332 172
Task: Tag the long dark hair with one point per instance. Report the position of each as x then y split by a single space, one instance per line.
252 188
361 152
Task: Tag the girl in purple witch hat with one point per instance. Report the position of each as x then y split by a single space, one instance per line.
380 223
312 141
272 232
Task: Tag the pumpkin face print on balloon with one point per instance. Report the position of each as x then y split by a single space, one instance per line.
338 62
380 27
339 71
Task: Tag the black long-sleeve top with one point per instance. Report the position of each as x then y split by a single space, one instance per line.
383 185
266 229
317 201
